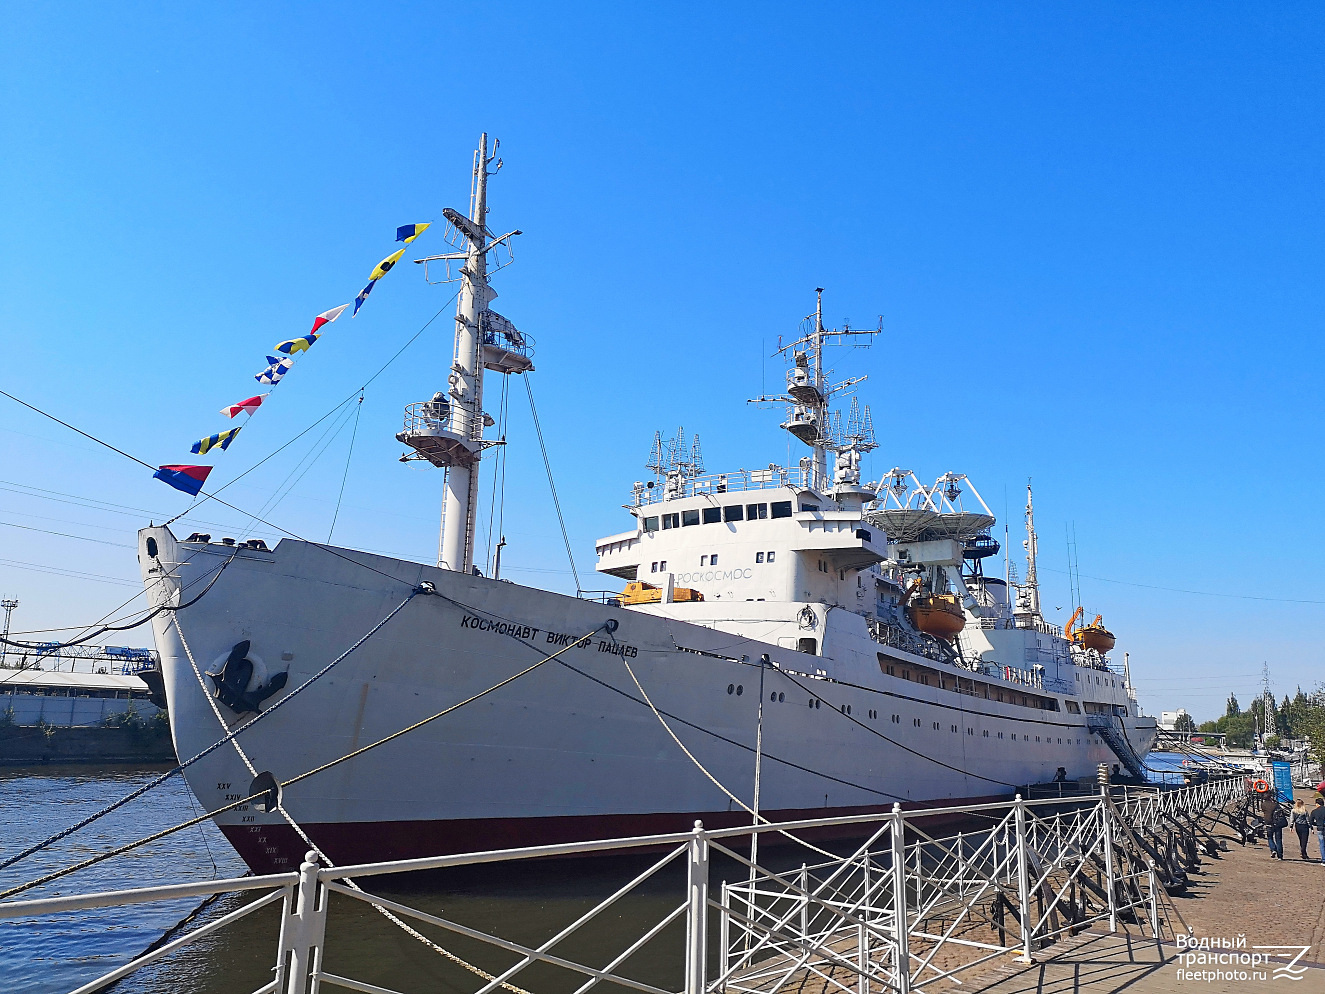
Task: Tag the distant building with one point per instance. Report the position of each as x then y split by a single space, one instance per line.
1168 720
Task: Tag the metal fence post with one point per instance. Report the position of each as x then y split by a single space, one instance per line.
805 902
1154 900
724 929
697 913
1023 880
1106 826
900 920
308 929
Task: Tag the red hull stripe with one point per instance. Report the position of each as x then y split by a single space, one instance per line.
277 848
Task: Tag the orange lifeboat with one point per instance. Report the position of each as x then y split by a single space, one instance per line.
940 615
1093 636
638 592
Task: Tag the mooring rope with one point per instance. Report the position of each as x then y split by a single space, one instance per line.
313 846
138 792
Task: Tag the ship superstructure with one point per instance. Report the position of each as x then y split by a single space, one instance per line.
890 667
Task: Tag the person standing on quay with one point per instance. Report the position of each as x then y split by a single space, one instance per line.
1275 821
1317 820
1301 825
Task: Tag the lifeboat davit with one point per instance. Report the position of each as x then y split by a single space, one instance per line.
937 614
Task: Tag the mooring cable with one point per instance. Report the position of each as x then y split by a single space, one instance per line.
261 715
142 621
296 779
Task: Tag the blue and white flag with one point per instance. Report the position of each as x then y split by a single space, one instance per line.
363 295
274 372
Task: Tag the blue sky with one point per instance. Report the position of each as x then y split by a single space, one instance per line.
1093 232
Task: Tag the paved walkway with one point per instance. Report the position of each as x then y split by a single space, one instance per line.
1244 893
1114 964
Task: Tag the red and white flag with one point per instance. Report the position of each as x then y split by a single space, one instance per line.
326 317
245 406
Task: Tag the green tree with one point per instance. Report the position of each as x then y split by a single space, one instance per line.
1184 723
1232 708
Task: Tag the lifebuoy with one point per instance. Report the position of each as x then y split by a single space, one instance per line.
1260 787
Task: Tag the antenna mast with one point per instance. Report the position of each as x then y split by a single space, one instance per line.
1030 590
447 431
809 396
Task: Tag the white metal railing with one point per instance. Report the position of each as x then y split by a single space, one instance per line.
902 910
772 478
431 418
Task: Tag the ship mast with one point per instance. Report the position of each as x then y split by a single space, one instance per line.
447 431
460 503
1030 590
809 397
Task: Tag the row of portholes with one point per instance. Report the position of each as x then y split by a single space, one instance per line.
739 689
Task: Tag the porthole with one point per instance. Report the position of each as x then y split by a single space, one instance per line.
781 697
731 688
739 690
773 696
817 703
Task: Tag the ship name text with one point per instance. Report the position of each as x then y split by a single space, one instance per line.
527 633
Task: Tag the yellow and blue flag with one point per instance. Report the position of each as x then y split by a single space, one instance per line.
385 265
301 344
221 440
408 232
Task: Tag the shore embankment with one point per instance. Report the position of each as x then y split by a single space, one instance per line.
129 742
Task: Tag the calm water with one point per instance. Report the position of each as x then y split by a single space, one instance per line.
524 904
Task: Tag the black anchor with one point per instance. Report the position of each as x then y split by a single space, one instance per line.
232 681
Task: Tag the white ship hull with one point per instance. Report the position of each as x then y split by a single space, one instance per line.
570 750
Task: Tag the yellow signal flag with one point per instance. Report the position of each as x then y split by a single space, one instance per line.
385 265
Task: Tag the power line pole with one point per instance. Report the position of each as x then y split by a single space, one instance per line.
1267 705
8 604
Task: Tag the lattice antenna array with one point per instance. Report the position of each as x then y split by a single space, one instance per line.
673 455
860 428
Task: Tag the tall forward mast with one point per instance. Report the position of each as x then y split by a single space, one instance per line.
447 431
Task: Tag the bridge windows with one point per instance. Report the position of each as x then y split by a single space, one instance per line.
651 524
671 521
733 512
756 511
712 515
781 508
689 518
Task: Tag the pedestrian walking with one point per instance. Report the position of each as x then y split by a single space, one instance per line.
1275 823
1301 824
1317 820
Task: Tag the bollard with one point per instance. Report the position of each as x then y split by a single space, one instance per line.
307 929
697 916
